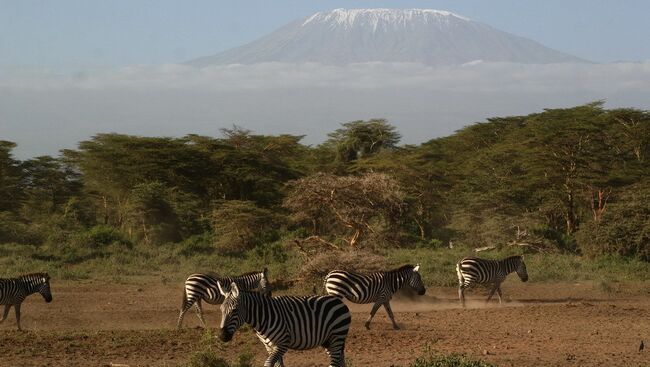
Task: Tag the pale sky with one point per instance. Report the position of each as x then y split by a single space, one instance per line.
72 69
77 34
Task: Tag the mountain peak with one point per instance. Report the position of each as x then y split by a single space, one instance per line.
347 18
427 36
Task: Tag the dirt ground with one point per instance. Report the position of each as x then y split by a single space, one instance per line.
575 324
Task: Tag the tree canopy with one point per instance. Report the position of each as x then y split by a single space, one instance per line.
554 175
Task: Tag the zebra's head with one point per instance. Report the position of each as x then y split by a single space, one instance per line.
44 288
416 281
521 270
231 313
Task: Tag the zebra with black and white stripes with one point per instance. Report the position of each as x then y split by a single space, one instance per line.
13 292
472 270
203 287
288 322
377 288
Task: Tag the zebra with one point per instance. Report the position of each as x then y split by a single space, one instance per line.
203 287
13 292
377 288
472 270
287 322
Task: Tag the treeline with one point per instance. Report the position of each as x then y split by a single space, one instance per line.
572 180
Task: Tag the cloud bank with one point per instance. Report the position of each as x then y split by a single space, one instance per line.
44 111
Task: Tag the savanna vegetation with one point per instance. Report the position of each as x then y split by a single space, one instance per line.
569 186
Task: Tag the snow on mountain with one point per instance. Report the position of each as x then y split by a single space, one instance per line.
344 36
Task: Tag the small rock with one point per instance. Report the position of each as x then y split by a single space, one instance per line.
530 331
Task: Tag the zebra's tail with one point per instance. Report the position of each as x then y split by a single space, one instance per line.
184 299
461 279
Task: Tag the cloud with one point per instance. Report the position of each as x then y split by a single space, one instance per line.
44 111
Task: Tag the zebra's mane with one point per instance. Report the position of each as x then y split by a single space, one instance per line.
34 275
513 257
215 275
249 273
402 268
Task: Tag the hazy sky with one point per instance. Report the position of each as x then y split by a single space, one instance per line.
72 69
76 34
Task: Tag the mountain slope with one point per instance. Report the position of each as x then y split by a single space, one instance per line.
426 36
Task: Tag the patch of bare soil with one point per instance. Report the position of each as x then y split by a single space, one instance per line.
95 324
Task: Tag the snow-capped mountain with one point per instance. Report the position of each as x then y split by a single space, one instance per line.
344 36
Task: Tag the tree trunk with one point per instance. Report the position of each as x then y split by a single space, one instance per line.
420 227
570 213
355 237
599 203
105 201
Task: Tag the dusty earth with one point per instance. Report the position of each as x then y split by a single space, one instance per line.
574 324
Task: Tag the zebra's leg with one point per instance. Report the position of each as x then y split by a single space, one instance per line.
461 295
17 309
184 307
389 311
375 307
275 358
499 293
494 288
4 315
336 352
270 349
199 313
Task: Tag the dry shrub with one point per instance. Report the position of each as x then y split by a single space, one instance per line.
349 207
363 261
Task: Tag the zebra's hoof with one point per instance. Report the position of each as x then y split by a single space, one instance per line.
367 325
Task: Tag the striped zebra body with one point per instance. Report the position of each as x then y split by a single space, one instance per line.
377 288
203 287
288 322
472 270
13 292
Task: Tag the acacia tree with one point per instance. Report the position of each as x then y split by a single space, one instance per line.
10 177
240 225
250 167
114 164
360 138
422 180
352 205
49 183
150 215
570 153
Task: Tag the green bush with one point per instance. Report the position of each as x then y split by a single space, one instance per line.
99 237
274 252
206 358
202 244
12 230
623 230
434 243
241 225
207 354
452 360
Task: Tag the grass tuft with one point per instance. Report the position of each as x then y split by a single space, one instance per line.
451 360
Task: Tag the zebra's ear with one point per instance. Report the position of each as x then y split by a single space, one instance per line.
417 267
221 289
234 289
